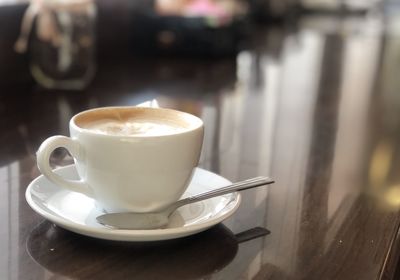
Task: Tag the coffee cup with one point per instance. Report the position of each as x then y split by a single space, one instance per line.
128 158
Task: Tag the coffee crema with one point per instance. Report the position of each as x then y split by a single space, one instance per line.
136 121
134 127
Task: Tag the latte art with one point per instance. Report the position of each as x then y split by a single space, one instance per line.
134 127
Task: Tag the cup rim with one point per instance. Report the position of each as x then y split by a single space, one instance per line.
198 123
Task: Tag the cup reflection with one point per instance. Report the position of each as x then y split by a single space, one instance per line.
65 253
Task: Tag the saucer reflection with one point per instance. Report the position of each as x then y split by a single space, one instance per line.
79 257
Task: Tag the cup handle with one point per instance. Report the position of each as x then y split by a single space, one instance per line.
43 162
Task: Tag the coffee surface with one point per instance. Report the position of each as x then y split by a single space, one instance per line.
136 121
134 127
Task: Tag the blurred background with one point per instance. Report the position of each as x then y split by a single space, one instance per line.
192 28
208 29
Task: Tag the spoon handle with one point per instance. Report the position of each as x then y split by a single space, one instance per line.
239 186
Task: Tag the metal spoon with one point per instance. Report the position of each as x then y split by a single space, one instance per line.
153 220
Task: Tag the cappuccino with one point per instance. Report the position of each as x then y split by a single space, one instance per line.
130 159
137 122
134 127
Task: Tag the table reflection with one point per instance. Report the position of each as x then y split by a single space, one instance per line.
187 258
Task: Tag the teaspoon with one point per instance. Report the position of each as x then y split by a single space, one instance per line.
154 220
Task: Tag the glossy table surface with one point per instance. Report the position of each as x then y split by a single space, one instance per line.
317 108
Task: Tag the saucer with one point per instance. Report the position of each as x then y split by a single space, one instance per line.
77 212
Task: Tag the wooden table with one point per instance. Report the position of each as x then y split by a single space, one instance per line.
317 109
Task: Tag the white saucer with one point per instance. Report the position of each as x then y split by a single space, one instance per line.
77 212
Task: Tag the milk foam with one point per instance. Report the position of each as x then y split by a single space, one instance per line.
134 127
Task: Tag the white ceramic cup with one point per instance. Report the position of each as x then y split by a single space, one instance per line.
136 173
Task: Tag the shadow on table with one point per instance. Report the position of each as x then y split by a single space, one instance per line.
69 254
